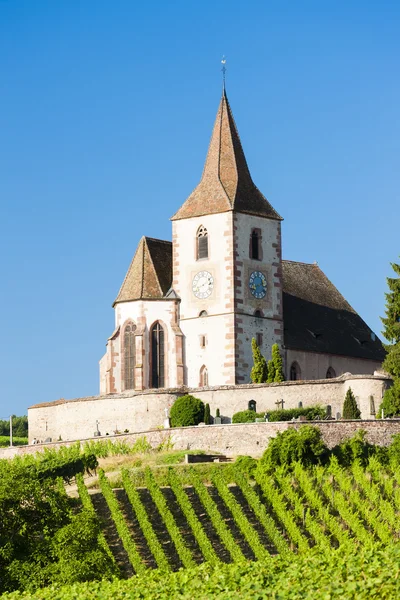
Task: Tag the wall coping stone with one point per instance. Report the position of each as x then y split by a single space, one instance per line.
185 390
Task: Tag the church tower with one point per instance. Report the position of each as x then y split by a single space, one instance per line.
227 267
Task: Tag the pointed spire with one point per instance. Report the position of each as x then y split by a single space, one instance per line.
226 183
150 272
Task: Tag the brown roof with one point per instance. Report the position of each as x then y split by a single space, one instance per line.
318 319
226 183
150 272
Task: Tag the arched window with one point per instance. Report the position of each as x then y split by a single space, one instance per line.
202 242
258 314
129 356
203 313
203 376
157 356
295 372
255 244
331 373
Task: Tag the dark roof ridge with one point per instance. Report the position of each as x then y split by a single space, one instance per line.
300 262
157 240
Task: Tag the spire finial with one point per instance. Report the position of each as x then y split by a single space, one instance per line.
223 62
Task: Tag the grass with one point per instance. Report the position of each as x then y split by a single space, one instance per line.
17 441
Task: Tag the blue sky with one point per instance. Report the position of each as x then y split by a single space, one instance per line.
106 112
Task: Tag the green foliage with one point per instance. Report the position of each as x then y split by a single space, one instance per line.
354 449
246 465
350 408
270 371
187 410
390 406
278 364
365 574
207 417
259 371
392 320
17 441
20 427
244 416
304 445
312 413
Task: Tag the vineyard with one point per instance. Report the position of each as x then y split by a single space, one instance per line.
234 519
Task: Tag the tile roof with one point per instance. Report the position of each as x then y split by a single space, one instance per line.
150 272
226 183
318 319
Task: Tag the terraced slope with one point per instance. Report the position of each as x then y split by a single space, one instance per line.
184 525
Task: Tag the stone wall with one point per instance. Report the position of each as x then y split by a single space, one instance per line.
141 411
245 438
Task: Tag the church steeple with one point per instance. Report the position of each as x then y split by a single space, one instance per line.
226 183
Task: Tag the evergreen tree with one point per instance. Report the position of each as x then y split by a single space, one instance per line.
271 371
259 372
207 414
391 364
350 408
278 364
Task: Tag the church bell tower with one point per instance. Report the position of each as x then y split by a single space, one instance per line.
226 265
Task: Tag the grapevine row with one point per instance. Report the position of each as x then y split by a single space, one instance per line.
302 512
191 517
240 519
145 525
215 517
279 506
88 505
373 493
262 515
120 524
172 528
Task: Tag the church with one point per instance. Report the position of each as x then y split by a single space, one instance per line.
187 310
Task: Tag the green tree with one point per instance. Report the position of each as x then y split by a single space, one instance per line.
186 411
271 371
278 364
207 414
350 408
259 371
391 400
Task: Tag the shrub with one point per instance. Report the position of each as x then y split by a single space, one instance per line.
278 364
207 417
391 401
304 445
287 414
259 372
246 464
271 371
187 410
244 416
350 408
353 449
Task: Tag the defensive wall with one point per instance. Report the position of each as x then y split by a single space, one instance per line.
237 439
146 410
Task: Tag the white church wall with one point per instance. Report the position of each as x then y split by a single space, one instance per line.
163 311
139 411
314 365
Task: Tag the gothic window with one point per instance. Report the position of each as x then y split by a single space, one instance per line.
331 373
202 242
157 356
203 376
295 373
255 244
129 356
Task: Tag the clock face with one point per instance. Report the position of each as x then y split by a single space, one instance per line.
202 285
258 284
